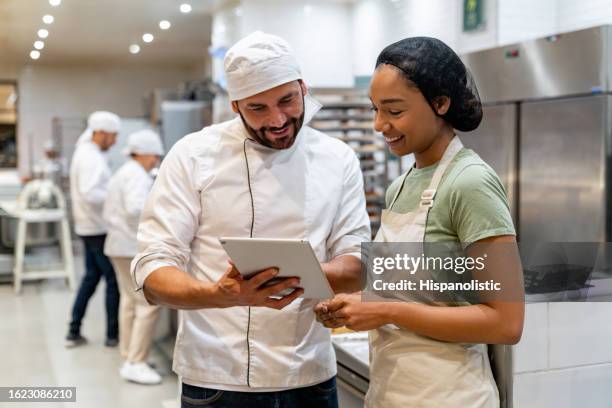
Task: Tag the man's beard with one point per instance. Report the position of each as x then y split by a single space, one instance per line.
284 143
106 145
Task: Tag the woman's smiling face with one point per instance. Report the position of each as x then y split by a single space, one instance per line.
402 114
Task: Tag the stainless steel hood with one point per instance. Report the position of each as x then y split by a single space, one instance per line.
576 63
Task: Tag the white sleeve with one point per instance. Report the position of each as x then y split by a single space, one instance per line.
351 223
135 192
170 217
93 179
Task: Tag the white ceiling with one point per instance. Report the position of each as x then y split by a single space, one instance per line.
100 31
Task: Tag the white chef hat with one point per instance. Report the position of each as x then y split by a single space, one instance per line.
257 63
144 142
100 120
104 121
49 145
260 62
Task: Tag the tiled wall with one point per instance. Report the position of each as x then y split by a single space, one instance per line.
378 23
350 36
564 358
506 21
319 31
525 19
574 15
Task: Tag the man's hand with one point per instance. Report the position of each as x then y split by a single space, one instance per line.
350 311
233 290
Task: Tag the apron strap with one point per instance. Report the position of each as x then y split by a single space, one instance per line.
429 193
427 196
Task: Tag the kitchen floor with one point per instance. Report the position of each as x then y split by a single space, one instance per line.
32 352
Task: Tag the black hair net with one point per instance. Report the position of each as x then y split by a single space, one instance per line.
436 71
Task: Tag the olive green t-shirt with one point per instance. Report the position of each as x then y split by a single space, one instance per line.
470 203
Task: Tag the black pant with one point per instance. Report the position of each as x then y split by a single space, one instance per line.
321 395
96 266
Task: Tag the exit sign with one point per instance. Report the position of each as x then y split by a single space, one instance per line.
473 18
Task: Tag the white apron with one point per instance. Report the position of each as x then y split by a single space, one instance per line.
408 370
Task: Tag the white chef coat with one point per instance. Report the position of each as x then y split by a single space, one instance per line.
89 175
313 191
127 192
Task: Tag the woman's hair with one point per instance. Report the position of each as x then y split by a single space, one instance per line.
435 69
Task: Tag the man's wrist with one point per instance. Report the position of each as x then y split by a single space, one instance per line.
208 295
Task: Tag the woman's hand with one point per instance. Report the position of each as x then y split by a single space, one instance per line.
324 316
350 311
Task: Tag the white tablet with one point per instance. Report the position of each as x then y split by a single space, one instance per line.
293 257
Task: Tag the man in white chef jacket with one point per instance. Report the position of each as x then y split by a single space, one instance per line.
264 174
89 175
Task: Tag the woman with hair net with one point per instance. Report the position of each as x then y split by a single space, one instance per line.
430 353
127 192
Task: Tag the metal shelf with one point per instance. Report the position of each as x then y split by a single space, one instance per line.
346 116
364 127
347 105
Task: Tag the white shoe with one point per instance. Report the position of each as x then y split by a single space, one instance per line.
139 373
123 368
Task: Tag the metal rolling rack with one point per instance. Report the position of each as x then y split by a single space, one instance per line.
346 115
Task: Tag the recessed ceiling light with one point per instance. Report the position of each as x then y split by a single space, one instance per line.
164 24
185 8
55 3
42 33
34 54
39 45
134 48
147 37
48 19
307 9
238 11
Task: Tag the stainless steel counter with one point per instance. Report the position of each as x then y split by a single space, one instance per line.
352 355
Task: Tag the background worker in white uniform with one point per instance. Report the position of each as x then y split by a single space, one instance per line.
428 354
262 174
89 175
52 167
128 189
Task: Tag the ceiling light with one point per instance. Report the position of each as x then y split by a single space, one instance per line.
39 45
42 33
34 54
55 3
134 48
147 37
185 8
238 11
164 24
48 19
307 9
